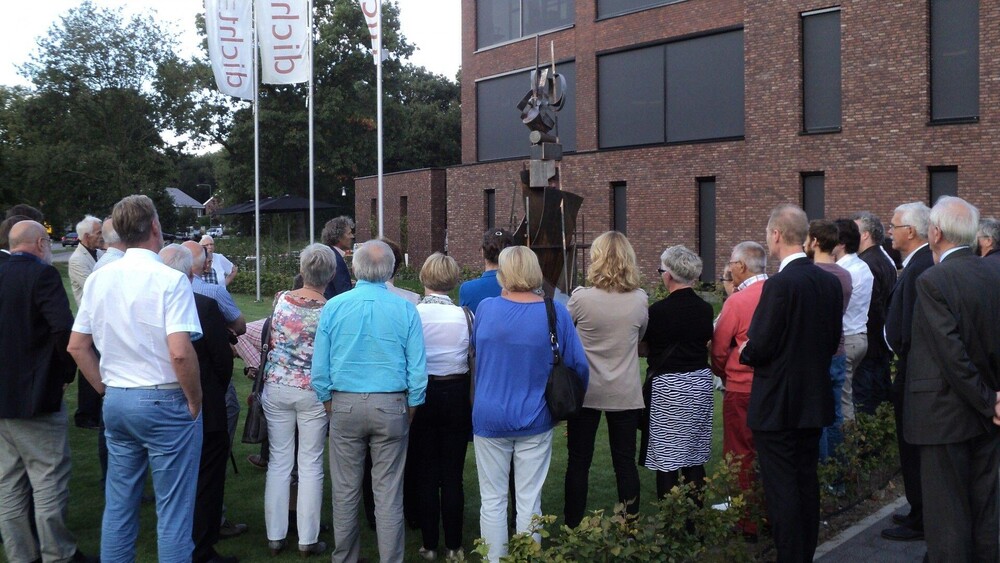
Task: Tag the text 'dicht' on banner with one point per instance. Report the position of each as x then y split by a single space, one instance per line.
285 41
371 9
229 25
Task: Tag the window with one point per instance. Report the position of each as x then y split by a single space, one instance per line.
500 131
619 208
821 71
943 181
500 21
611 8
813 196
688 90
490 209
706 227
954 60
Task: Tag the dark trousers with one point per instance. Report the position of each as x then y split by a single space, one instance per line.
963 505
208 499
788 461
872 384
581 432
88 406
439 438
909 460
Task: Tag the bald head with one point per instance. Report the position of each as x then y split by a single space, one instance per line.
30 237
178 258
197 256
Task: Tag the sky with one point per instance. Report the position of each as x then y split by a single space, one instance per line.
435 31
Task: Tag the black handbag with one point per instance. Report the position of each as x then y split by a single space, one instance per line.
565 389
255 427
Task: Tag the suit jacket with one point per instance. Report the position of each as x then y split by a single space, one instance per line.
792 337
35 321
81 264
899 316
885 279
341 281
954 362
215 358
4 256
993 255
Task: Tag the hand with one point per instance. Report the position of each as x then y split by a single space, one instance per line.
411 412
328 406
195 410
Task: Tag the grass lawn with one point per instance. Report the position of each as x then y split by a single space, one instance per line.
245 490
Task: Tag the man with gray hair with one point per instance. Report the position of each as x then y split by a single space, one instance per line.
908 227
746 264
872 381
116 248
988 239
953 390
369 370
338 234
81 264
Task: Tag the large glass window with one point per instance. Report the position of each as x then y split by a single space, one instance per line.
499 21
500 133
611 8
821 71
954 60
683 91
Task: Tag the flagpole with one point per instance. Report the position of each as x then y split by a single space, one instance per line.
378 81
312 65
256 154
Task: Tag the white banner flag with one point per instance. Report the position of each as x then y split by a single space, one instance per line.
285 41
373 15
230 45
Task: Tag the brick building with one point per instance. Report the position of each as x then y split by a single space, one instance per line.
688 120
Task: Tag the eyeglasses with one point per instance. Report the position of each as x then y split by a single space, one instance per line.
894 227
725 279
661 270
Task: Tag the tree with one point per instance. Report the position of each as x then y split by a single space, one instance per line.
89 132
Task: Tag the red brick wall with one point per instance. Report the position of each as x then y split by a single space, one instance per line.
878 160
426 221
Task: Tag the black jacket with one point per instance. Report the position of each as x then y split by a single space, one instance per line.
35 321
885 279
793 335
215 358
899 316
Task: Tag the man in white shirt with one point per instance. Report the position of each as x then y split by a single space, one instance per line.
141 316
224 271
856 316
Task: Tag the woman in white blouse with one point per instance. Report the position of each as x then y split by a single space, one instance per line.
441 427
610 318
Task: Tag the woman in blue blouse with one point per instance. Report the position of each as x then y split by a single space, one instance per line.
510 417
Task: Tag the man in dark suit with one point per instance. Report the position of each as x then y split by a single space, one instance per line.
35 321
215 359
792 337
987 239
952 390
908 228
338 234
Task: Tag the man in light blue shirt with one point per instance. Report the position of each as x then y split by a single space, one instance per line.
370 371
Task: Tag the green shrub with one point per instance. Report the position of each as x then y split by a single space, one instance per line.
863 463
245 283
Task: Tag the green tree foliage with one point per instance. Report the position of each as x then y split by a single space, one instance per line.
89 132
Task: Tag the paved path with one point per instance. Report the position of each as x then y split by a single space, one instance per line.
863 542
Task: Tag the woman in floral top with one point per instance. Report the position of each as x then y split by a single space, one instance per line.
290 404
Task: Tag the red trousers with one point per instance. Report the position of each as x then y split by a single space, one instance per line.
736 437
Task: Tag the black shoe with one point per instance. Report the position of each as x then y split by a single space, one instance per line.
231 530
902 533
79 557
901 519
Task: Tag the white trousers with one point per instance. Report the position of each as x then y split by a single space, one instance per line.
531 456
287 408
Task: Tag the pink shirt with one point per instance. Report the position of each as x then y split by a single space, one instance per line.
731 334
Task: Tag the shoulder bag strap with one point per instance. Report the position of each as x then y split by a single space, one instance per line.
550 310
265 347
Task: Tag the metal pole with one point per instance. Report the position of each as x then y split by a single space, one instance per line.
256 155
312 192
378 81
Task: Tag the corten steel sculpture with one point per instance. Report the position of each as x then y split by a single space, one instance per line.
549 212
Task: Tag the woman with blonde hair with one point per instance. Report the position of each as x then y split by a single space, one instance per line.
610 318
511 424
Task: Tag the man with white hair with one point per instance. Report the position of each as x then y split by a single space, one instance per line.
908 227
953 390
116 248
223 271
81 264
988 239
369 370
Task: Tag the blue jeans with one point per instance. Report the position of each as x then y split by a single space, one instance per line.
832 435
156 426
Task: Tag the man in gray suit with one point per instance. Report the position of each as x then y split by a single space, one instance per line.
952 408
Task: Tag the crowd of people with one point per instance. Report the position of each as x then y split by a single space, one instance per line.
394 385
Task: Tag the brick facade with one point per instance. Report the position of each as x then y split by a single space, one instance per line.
879 160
